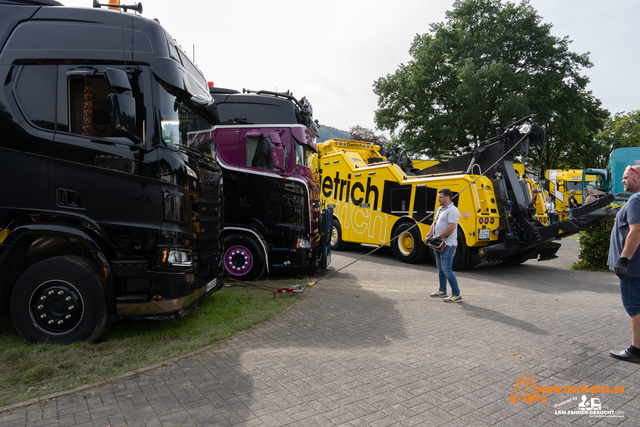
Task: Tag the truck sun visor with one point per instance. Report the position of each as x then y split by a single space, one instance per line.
172 73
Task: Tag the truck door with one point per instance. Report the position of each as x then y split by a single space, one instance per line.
278 202
27 122
99 172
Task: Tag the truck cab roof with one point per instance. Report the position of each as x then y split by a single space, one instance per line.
262 107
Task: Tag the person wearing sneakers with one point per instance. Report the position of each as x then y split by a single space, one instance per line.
445 227
624 259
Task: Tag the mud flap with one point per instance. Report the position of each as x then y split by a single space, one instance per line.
492 255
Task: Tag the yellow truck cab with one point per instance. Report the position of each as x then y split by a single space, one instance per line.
559 184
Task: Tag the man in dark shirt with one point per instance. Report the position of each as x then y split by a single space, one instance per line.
624 259
572 203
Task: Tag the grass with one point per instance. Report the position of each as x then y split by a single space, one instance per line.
35 370
581 265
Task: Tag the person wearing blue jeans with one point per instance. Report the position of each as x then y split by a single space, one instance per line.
572 203
445 227
624 260
444 261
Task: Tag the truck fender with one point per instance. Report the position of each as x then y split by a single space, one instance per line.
11 269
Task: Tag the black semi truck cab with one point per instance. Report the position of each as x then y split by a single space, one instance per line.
110 196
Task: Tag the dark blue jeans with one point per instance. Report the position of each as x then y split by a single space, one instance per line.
444 261
550 218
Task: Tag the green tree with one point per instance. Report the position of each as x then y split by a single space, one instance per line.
488 65
623 130
360 133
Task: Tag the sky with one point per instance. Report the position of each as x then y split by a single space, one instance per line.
332 51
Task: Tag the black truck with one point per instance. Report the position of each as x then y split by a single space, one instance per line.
110 195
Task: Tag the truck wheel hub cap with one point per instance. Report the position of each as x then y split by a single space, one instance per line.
56 306
238 260
406 243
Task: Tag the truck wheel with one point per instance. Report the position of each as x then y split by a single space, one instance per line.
407 244
59 301
337 244
460 259
243 258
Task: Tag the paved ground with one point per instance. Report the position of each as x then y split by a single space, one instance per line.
369 347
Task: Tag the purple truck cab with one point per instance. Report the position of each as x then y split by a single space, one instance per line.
266 147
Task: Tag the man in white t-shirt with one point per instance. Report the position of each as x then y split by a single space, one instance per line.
445 227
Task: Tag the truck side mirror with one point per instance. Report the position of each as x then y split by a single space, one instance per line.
122 110
275 138
277 157
277 152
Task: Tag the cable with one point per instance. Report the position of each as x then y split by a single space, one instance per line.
274 290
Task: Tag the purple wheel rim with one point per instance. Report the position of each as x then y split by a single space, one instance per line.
238 260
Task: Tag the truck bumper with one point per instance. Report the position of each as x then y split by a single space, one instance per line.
167 296
300 260
501 252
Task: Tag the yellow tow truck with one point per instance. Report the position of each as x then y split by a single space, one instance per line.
379 202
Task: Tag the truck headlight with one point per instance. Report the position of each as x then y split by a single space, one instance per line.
177 257
304 243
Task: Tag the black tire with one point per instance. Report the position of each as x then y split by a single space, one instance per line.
461 257
431 255
407 244
59 301
337 244
244 258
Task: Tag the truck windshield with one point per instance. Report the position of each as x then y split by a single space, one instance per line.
595 182
304 155
574 185
182 125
